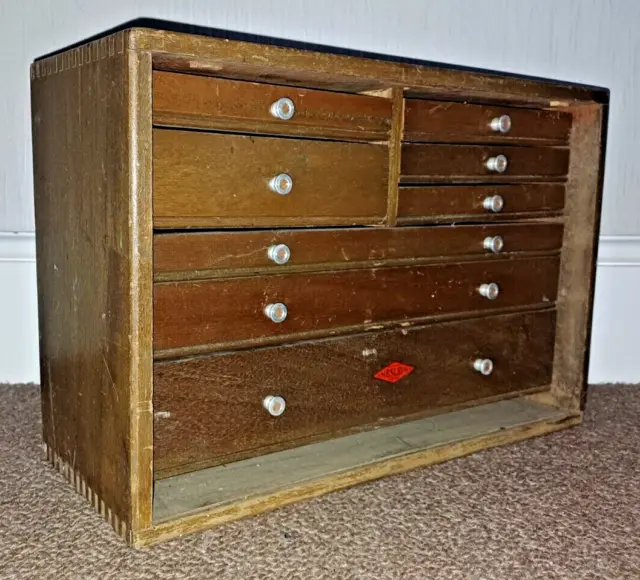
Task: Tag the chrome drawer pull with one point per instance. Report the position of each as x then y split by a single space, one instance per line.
274 405
279 253
276 312
501 124
493 203
494 244
281 183
484 366
498 163
283 109
489 291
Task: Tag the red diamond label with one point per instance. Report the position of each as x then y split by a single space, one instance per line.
394 372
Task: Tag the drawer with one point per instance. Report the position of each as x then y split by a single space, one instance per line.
215 313
442 122
194 255
212 179
491 202
200 102
426 163
210 410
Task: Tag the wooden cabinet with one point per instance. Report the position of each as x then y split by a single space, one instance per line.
266 274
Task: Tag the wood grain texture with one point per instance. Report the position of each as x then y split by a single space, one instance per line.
209 410
93 250
201 255
212 103
511 426
215 313
205 179
448 122
395 153
459 202
427 163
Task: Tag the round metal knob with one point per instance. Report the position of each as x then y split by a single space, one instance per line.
489 291
281 183
274 405
494 244
501 124
276 312
493 203
283 109
498 163
484 366
280 253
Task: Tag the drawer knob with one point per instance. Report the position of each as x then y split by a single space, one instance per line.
281 183
484 366
276 312
493 203
501 124
489 291
274 404
494 244
279 253
498 163
283 109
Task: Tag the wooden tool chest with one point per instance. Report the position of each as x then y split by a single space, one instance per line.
266 273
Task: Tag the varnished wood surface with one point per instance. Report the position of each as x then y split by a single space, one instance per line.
448 202
93 246
212 103
202 255
448 122
219 312
208 409
426 163
208 180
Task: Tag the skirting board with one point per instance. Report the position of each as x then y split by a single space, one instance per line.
614 354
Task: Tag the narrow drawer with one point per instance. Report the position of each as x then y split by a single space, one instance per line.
426 163
217 313
193 255
447 202
200 102
211 410
211 179
441 122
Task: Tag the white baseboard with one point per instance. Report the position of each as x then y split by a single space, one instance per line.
615 346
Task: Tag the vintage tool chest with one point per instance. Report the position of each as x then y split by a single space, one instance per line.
266 272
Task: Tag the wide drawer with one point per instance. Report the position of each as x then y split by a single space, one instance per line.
210 410
212 103
441 122
196 255
212 314
212 179
490 202
426 163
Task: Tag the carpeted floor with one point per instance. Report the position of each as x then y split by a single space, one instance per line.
563 506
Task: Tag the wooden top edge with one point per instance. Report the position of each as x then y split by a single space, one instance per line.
210 52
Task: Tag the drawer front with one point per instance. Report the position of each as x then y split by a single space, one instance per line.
211 103
193 255
424 163
214 312
209 179
442 122
210 410
441 203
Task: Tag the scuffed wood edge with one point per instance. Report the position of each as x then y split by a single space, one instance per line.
80 484
91 52
223 514
139 70
395 149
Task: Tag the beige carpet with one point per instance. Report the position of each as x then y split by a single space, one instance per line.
563 506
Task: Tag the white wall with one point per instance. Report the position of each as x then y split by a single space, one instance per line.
588 41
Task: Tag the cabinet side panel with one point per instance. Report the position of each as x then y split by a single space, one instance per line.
85 261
